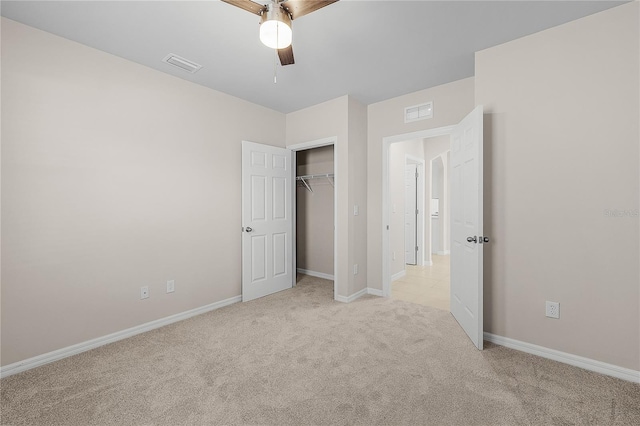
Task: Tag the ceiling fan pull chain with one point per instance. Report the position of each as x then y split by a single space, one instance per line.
275 69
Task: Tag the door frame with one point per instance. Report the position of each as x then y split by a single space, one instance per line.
386 143
332 140
420 219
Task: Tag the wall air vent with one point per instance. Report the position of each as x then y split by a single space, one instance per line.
418 112
182 63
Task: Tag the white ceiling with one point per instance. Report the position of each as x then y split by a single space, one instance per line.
372 50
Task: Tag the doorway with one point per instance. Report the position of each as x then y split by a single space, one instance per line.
422 275
466 239
269 217
314 205
314 212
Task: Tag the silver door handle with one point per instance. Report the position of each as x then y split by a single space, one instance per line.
248 229
472 239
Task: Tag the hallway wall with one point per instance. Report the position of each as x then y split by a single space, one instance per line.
435 147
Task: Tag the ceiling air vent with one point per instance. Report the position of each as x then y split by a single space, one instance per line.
182 63
418 112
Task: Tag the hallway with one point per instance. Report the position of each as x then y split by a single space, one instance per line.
425 285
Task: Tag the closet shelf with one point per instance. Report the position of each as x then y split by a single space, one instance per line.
304 179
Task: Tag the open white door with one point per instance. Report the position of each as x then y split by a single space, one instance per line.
410 214
466 225
267 220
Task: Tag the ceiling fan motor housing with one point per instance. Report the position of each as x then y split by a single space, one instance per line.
275 27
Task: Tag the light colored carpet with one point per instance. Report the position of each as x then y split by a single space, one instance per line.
298 357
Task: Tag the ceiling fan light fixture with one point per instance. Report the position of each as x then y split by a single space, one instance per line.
275 28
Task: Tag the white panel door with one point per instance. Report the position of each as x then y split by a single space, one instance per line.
466 225
267 222
410 215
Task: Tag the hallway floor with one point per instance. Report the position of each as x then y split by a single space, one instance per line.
425 285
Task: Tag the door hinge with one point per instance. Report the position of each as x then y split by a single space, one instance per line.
416 248
416 212
416 175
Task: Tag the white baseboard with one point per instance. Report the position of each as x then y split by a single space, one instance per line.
374 292
566 358
315 274
368 290
444 253
351 298
37 361
398 275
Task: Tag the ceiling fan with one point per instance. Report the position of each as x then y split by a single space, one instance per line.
275 22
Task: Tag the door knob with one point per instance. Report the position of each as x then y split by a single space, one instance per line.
472 239
248 229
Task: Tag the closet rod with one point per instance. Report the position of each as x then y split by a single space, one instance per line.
305 178
322 175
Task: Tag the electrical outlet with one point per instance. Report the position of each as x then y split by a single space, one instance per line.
144 292
356 210
552 309
355 269
393 256
171 286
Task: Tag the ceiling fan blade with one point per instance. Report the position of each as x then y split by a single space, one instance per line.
298 8
286 56
248 5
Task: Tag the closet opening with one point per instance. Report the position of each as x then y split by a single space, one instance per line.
315 218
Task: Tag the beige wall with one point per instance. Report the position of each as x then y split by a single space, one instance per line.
314 218
452 102
345 119
357 114
561 148
114 176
